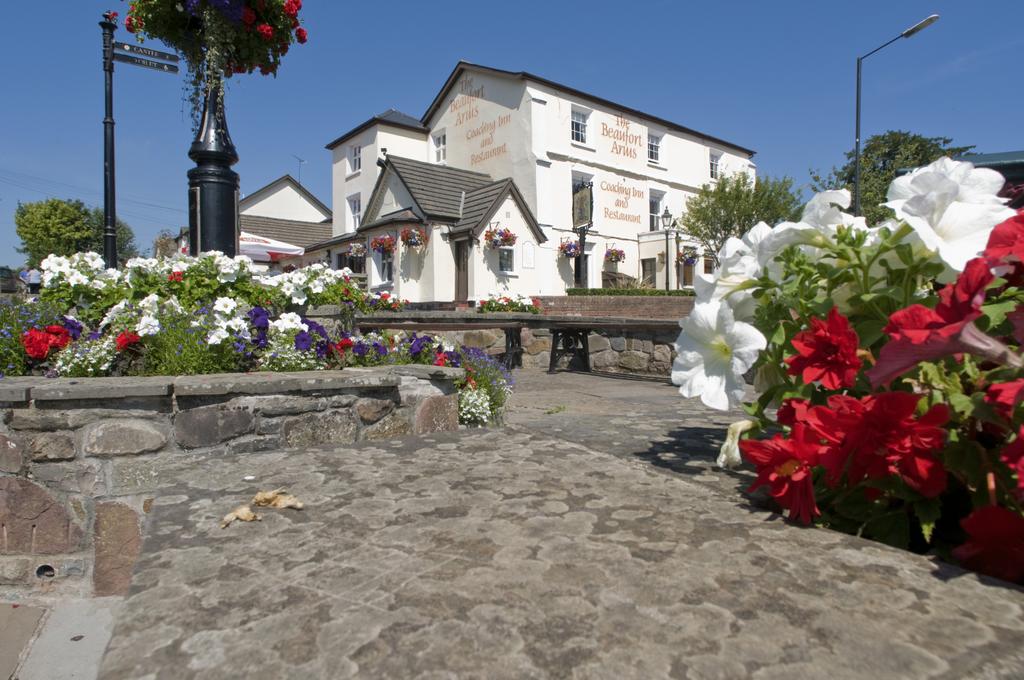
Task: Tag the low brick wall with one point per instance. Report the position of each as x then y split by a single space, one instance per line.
618 306
81 459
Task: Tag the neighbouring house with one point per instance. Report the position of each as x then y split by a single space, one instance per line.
287 212
502 149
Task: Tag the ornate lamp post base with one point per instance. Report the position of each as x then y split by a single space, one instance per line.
212 184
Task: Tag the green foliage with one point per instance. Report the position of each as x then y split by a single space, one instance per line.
507 304
731 206
485 373
65 227
15 319
181 348
627 292
881 157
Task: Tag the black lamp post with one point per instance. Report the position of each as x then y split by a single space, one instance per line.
109 204
212 184
916 28
666 224
581 231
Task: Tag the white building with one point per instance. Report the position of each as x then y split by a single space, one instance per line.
487 126
285 211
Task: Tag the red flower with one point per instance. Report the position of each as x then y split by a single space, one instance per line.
1006 242
384 296
1004 397
265 31
784 465
918 333
291 7
126 339
793 411
131 25
995 543
343 344
59 336
1013 456
827 352
1016 318
878 435
36 343
176 277
301 35
248 16
441 359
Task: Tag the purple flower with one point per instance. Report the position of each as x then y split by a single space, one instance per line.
380 349
259 317
314 327
95 335
74 328
360 349
303 341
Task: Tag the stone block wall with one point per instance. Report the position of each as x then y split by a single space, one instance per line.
81 460
618 306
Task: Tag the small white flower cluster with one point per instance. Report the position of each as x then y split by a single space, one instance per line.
951 207
86 358
81 269
282 355
288 323
299 284
229 320
474 407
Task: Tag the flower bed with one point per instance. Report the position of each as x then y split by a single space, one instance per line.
896 401
506 304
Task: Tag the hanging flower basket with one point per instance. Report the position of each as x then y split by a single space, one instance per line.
218 38
385 245
357 250
569 249
413 237
687 256
614 255
499 238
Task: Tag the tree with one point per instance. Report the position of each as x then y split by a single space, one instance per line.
165 244
733 205
64 227
881 157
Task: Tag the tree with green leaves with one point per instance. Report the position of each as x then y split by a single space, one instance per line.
880 159
733 205
65 227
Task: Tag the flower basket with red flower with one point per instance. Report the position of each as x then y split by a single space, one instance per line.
385 245
357 250
614 255
218 38
499 238
687 256
413 237
569 249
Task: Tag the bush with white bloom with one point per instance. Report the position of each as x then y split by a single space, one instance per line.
474 407
86 358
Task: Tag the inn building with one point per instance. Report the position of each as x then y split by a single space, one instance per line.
509 150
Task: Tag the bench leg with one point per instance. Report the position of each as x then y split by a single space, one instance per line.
556 343
584 351
513 348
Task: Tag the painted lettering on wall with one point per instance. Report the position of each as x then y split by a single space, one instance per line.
624 142
621 195
464 104
485 134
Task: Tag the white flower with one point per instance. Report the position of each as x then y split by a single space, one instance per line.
729 454
952 207
225 306
114 312
820 220
737 266
150 304
714 351
289 321
239 325
148 325
98 284
172 305
77 278
217 336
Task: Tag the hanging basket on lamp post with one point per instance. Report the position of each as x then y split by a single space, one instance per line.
217 39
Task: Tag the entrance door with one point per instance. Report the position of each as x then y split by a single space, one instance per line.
461 271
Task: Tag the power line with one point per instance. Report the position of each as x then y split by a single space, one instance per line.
15 176
49 194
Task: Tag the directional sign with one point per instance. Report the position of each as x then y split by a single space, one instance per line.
148 63
145 51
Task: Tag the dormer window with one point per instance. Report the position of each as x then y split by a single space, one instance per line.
440 147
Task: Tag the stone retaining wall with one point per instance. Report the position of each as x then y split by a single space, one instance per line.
81 459
618 306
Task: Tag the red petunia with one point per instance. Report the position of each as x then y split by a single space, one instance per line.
1013 456
36 343
918 333
878 435
793 411
784 465
1006 242
59 337
266 31
291 7
995 543
176 277
441 359
826 352
301 35
248 16
126 339
1005 397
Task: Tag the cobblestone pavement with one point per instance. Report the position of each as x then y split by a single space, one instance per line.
516 553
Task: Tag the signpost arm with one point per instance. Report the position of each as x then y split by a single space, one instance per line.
109 209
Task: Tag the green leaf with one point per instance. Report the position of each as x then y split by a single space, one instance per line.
997 311
892 528
928 512
870 331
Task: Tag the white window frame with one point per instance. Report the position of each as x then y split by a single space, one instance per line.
653 148
654 219
355 159
440 147
512 253
715 165
355 209
385 267
579 121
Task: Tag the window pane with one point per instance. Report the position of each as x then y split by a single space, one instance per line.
709 265
506 260
647 270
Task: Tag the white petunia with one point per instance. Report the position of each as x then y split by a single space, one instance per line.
225 306
952 207
150 304
729 455
714 351
289 321
148 325
77 278
217 336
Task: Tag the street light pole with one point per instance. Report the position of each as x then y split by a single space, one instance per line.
109 207
916 28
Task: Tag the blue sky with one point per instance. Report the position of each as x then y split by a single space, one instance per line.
777 77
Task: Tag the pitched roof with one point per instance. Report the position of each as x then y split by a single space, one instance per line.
405 216
290 231
334 241
482 204
437 189
262 192
523 75
390 117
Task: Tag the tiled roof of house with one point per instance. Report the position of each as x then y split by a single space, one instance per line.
404 216
438 189
290 231
480 202
389 117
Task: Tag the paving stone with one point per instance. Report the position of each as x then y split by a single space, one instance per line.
372 410
119 437
117 543
34 521
72 640
234 383
101 388
52 446
12 454
131 476
210 425
18 623
85 476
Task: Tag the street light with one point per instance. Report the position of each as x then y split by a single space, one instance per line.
916 28
666 223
